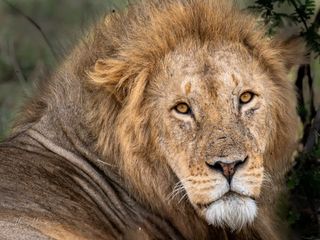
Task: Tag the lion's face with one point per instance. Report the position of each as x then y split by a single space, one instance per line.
213 117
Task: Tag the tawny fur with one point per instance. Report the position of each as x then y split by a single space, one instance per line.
102 104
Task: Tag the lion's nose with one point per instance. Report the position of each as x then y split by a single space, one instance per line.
228 169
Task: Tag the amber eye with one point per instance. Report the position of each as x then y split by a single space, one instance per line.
246 97
182 108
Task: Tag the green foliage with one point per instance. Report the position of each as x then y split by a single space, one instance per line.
304 186
301 14
300 207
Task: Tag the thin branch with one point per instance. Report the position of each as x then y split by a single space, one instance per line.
29 19
313 133
310 84
299 86
317 20
15 64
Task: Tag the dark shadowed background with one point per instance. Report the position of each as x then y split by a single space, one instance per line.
36 34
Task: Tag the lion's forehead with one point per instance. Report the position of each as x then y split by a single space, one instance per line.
215 73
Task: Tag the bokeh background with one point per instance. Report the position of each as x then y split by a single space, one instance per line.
36 34
26 56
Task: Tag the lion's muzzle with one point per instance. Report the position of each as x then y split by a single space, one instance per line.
226 166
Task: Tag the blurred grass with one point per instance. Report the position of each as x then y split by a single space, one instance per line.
25 57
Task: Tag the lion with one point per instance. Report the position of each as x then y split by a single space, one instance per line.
172 119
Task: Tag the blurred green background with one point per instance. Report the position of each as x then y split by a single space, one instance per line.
25 58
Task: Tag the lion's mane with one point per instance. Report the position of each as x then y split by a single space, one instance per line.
112 67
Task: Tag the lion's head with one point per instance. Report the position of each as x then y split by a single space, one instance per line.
215 105
205 107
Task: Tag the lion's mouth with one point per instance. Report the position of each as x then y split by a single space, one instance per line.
230 194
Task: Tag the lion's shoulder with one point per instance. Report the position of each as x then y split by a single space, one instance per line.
40 198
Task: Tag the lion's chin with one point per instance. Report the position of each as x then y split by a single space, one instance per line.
232 211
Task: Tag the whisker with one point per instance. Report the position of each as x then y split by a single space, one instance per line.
267 180
175 192
178 188
183 196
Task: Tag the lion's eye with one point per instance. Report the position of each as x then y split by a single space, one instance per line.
182 108
246 97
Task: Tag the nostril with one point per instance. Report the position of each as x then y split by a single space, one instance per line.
238 163
217 166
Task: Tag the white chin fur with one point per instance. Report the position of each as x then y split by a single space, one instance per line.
234 212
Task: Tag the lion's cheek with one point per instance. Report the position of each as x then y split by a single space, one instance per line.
259 136
179 165
249 186
248 181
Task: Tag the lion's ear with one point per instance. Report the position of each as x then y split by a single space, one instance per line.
114 75
293 51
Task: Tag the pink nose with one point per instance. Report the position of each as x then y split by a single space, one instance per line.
227 169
